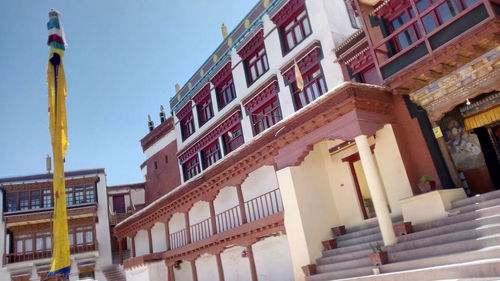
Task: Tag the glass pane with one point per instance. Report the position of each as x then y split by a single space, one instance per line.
315 91
48 242
71 239
89 237
19 246
260 70
39 244
253 73
323 85
469 3
28 244
447 10
422 5
298 33
290 41
79 237
307 27
264 60
429 22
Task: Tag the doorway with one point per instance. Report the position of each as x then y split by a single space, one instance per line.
119 204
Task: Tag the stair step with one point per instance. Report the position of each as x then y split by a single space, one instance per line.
485 212
370 223
357 234
344 257
334 275
475 206
445 237
354 263
348 249
445 249
359 240
478 198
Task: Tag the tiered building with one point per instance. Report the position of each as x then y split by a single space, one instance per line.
26 227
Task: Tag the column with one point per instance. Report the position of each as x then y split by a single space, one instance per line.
34 274
193 270
167 236
220 270
251 260
213 220
73 276
120 250
170 274
376 188
133 246
150 239
241 203
188 228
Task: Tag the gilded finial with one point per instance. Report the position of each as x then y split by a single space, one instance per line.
177 87
162 114
224 31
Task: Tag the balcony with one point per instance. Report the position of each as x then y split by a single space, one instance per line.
432 38
37 255
116 218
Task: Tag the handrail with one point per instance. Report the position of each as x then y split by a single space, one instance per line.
201 230
35 255
264 205
178 239
228 219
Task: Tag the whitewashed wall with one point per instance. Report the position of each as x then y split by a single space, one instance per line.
199 212
157 272
177 222
226 199
141 243
184 272
139 273
235 267
272 259
206 267
158 237
102 229
259 182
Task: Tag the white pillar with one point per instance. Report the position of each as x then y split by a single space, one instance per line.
376 188
34 274
74 274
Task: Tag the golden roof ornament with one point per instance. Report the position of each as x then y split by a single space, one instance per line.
223 28
177 87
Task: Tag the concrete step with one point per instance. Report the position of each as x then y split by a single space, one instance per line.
474 207
468 224
445 249
360 240
344 257
445 237
334 275
349 264
349 249
370 223
481 213
359 233
478 198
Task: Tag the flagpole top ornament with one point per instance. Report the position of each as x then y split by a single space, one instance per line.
224 31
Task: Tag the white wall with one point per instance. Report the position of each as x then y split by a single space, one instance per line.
259 182
184 273
235 267
160 144
226 199
206 267
137 196
199 212
272 259
102 228
158 237
176 223
157 272
140 273
141 243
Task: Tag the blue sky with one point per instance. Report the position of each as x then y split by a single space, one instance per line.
123 60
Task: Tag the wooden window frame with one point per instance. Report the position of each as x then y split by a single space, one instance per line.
318 81
237 139
187 126
189 169
252 62
297 19
211 154
205 110
226 92
266 115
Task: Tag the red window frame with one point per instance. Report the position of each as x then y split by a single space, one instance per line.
187 126
296 29
191 168
406 37
266 116
211 154
233 138
205 110
435 18
314 87
226 92
256 65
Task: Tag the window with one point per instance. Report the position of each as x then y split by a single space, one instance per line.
256 65
80 195
266 116
233 138
205 111
314 86
296 30
191 167
187 126
409 35
211 154
442 13
24 200
35 199
47 198
81 236
11 202
226 92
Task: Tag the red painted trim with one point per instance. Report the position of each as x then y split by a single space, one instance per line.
222 75
358 189
193 270
263 95
305 62
185 111
288 11
202 94
220 270
251 261
355 156
150 240
253 45
241 203
210 137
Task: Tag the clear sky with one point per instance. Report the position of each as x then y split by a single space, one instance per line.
123 60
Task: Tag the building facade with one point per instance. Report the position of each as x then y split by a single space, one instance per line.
247 176
27 208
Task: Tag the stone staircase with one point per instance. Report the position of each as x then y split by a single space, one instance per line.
462 246
114 273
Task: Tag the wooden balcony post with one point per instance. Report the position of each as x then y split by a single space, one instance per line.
193 270
167 236
188 228
213 220
220 269
150 239
251 260
241 203
133 246
120 250
171 273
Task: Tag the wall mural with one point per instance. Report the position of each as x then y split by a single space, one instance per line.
464 146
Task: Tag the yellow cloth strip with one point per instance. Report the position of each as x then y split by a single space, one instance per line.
484 118
58 128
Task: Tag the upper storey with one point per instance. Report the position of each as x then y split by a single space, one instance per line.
250 82
410 43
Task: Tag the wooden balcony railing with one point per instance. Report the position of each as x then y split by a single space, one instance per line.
201 230
411 41
36 255
265 205
228 219
116 218
178 239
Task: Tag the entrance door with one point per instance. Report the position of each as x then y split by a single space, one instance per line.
119 204
363 191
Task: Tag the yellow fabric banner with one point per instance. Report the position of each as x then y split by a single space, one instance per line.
298 77
56 81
